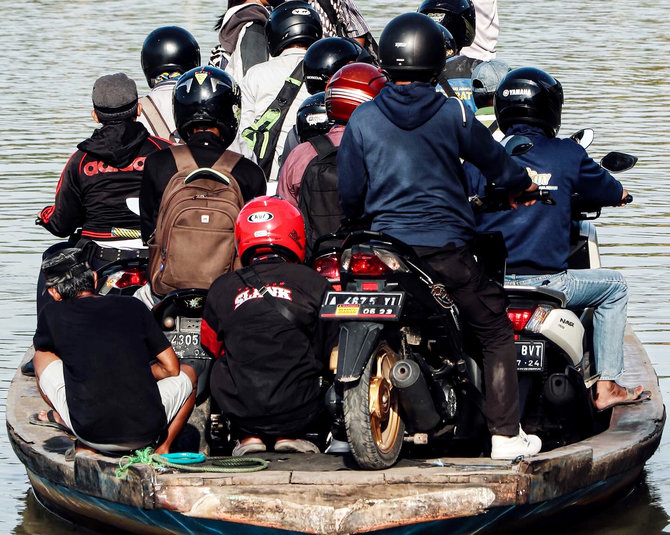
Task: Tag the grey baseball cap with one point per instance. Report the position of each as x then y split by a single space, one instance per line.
487 75
115 97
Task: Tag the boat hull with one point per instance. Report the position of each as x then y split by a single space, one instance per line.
326 494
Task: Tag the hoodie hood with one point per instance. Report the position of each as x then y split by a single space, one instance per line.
116 144
409 106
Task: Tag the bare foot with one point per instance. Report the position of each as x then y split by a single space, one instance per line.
609 393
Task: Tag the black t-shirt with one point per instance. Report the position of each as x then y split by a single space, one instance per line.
206 149
106 345
267 379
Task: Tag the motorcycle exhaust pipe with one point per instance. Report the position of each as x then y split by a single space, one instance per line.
415 398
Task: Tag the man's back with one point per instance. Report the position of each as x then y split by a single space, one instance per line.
410 139
538 237
268 373
260 87
206 148
106 345
105 171
161 99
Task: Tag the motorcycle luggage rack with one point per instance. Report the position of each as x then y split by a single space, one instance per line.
524 291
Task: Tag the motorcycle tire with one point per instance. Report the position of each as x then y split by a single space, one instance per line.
375 430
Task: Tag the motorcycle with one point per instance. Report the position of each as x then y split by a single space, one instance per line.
179 314
406 371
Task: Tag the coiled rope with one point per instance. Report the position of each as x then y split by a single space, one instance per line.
214 464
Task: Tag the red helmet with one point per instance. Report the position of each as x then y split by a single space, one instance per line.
270 225
352 85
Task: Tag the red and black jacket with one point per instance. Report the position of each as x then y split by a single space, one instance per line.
93 188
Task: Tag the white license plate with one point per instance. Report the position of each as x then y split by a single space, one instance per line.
186 339
362 305
529 355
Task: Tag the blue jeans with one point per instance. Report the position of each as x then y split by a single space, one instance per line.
604 289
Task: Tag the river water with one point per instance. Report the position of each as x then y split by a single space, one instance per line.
610 55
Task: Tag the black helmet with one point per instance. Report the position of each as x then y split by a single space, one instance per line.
529 96
292 23
312 118
457 16
210 97
412 48
449 41
325 57
169 49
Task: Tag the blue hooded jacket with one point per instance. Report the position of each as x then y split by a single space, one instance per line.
399 164
538 237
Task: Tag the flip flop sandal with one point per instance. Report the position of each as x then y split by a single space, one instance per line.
51 421
631 399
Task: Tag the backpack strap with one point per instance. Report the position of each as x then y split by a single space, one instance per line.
227 162
154 117
250 277
323 146
183 158
262 136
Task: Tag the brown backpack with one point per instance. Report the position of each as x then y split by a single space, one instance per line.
194 241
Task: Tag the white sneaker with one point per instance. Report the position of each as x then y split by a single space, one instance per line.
509 448
338 446
252 447
297 445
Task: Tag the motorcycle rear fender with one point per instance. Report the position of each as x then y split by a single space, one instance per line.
357 341
564 329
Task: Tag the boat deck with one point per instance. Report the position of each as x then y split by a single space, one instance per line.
327 493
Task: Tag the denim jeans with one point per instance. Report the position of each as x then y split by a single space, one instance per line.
604 289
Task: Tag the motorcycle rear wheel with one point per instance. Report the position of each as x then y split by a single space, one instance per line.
371 413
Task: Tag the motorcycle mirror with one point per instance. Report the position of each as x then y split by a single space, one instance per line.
517 145
583 137
616 162
133 204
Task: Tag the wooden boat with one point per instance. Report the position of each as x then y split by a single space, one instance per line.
326 494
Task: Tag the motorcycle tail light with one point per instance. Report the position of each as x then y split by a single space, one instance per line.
519 317
128 277
528 319
367 264
328 266
537 319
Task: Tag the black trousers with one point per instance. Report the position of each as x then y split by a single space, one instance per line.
482 306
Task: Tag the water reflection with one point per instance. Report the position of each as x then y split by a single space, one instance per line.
607 53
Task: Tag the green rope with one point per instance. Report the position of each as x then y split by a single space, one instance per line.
145 456
219 464
215 464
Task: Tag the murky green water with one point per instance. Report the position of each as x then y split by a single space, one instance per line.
610 55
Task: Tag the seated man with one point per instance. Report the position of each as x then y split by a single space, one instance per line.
399 166
167 53
261 323
273 90
104 365
529 102
104 172
313 163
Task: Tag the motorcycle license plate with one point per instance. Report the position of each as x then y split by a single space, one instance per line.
185 339
362 305
529 355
